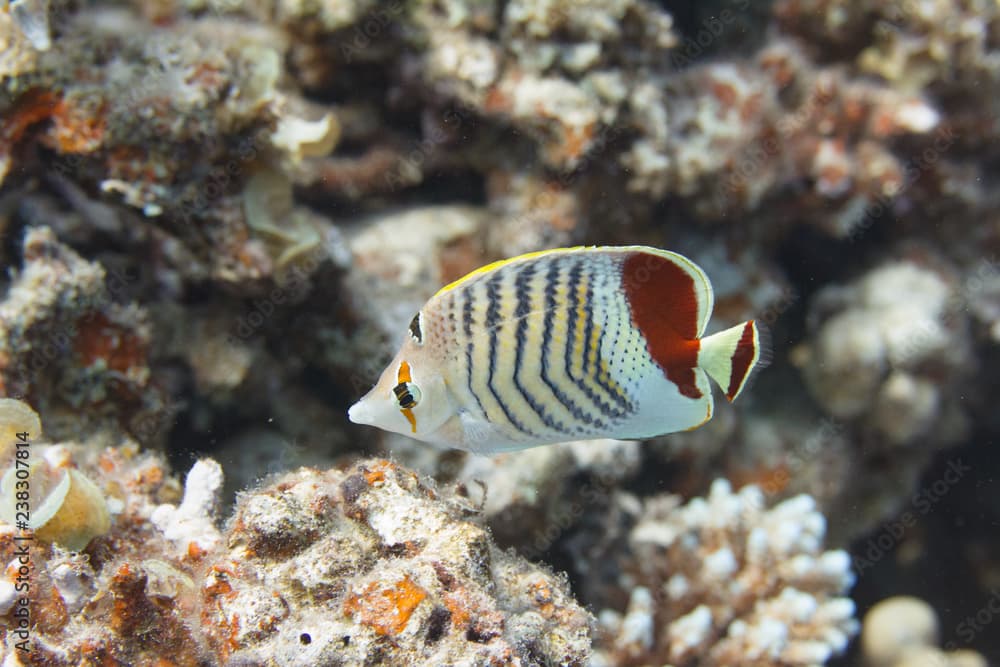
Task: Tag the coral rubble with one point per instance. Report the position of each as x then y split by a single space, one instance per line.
370 561
341 566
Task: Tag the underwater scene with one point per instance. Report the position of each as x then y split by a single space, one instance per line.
610 333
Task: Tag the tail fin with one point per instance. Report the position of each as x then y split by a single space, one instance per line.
732 356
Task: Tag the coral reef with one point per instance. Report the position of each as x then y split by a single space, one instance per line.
69 343
530 498
725 581
217 218
888 362
371 563
371 560
342 566
903 631
94 581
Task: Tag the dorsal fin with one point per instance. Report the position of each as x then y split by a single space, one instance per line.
493 266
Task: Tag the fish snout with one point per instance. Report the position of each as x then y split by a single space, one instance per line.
361 413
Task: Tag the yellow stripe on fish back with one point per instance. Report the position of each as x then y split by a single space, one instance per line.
501 262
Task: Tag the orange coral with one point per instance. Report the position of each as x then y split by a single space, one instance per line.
75 129
133 612
455 603
224 628
217 583
148 477
576 140
376 475
542 594
497 100
771 479
386 610
725 92
195 552
100 339
33 107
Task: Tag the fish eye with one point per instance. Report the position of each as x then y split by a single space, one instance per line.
407 395
415 331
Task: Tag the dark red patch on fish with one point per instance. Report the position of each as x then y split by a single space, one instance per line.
664 305
741 360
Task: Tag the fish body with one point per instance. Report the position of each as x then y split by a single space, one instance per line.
565 344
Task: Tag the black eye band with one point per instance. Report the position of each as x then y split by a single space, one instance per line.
403 395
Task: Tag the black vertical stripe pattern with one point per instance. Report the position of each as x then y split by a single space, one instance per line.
573 281
522 289
492 326
551 284
594 372
467 328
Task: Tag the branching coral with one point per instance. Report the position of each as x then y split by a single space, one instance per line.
190 525
725 581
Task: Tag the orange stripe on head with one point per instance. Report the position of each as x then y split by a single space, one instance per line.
410 417
664 304
403 375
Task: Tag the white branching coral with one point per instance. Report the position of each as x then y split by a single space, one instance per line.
724 581
193 520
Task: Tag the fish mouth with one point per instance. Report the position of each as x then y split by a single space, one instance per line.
359 413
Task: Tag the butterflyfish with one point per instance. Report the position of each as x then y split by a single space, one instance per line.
564 344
